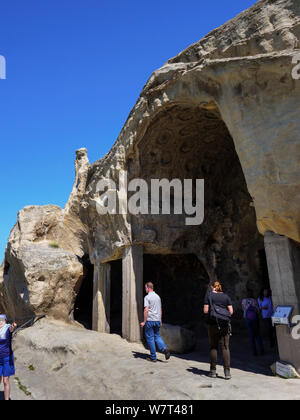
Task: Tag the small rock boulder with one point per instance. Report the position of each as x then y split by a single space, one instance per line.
284 370
178 339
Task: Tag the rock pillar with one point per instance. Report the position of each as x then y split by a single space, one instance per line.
101 298
132 313
283 258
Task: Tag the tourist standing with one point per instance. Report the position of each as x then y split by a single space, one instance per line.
7 367
218 307
251 316
152 323
266 306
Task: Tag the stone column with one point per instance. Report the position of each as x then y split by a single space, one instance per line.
132 312
101 298
283 258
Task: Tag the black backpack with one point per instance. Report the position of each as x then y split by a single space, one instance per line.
219 314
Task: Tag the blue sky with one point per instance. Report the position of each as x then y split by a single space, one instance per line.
75 69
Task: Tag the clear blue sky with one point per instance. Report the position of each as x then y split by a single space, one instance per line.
75 69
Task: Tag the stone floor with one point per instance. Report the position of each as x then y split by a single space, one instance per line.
56 361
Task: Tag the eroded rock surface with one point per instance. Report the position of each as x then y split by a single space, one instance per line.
42 270
224 110
231 92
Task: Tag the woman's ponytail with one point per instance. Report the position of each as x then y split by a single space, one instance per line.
218 287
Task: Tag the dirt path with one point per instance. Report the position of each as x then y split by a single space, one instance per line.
56 361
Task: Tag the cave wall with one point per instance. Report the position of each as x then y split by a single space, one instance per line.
187 142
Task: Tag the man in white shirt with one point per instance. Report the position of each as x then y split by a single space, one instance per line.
152 323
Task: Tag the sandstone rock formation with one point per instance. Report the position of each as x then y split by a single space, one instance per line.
224 110
42 271
237 83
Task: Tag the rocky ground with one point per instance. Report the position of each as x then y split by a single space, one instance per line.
56 361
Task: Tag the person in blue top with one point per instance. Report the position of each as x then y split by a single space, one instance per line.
251 316
7 367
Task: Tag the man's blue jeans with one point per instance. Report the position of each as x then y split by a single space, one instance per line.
153 338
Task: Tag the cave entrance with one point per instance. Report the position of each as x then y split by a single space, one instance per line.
186 142
181 281
116 297
83 307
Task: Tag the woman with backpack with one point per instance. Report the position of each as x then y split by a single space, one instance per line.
251 315
218 307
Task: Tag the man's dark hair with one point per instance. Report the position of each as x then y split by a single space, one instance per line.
262 295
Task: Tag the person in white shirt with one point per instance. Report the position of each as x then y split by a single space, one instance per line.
152 323
266 306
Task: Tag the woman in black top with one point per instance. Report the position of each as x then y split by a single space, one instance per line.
218 328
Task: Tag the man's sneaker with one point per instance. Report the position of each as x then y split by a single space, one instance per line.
212 373
167 354
151 360
227 374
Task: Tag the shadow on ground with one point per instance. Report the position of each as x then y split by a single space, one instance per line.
138 355
241 357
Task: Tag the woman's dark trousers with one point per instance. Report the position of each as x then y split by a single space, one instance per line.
217 337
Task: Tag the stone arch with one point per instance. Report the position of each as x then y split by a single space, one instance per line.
248 82
188 141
